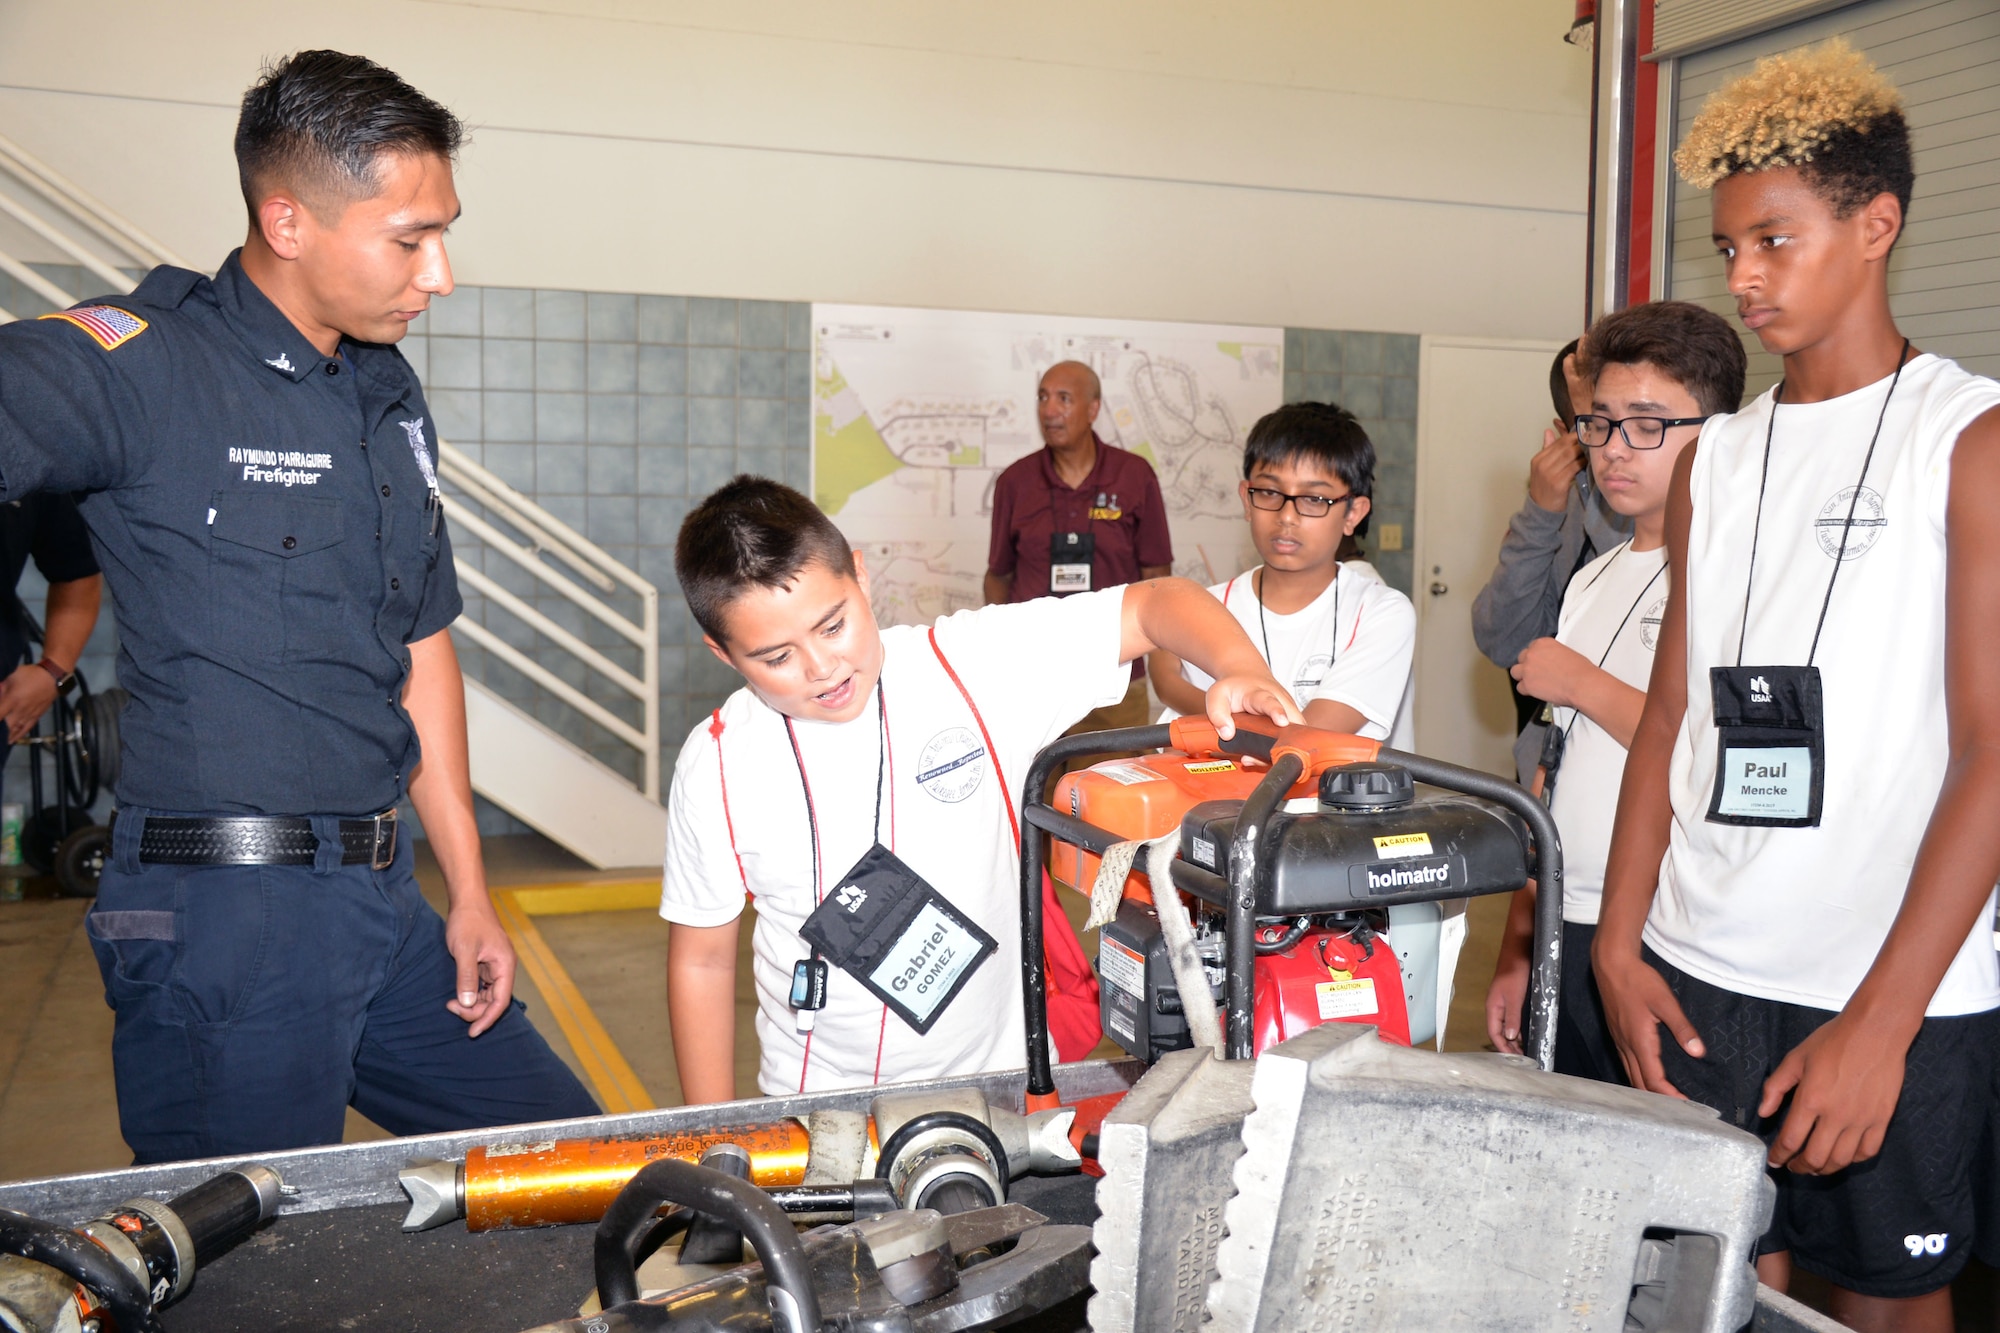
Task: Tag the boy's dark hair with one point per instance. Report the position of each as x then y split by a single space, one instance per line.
1559 385
318 120
1825 110
1325 434
751 533
1689 344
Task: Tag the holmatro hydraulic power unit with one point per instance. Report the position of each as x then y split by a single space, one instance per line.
1294 845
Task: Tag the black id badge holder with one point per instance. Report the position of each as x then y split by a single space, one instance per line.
1770 739
886 927
1069 561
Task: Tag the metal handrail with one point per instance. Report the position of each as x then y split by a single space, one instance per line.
481 505
66 195
536 534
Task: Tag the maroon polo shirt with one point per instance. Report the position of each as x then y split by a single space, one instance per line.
1119 504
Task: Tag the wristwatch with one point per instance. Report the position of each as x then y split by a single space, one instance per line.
63 679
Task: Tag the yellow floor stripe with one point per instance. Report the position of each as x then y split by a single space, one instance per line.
617 895
618 1088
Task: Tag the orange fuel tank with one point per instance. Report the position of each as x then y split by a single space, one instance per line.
1144 797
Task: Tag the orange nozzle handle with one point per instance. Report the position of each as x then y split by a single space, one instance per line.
1320 750
1196 735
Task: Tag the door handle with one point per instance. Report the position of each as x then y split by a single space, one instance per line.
1438 588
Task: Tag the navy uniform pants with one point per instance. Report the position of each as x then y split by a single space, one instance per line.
256 1003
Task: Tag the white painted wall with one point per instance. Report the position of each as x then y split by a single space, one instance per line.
1404 165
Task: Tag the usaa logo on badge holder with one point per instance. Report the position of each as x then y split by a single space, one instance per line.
951 765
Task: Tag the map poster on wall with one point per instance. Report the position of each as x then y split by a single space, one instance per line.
917 412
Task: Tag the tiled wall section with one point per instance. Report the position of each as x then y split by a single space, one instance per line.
1374 376
611 411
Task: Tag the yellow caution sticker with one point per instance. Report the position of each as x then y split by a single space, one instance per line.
1211 766
1403 844
1354 998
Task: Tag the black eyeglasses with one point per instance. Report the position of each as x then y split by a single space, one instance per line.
1308 506
1594 432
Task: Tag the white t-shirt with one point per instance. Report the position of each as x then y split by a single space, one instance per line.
1799 914
1622 593
1361 659
1033 669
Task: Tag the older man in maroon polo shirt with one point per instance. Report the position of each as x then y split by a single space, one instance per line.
1078 515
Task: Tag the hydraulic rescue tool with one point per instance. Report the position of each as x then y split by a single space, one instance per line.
551 1182
116 1271
901 1271
1291 905
1333 1152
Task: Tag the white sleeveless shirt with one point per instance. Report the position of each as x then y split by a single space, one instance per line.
1799 914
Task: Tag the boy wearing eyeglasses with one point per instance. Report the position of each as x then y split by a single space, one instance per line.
1659 371
1332 631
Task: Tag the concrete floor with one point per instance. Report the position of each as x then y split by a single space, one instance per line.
58 1113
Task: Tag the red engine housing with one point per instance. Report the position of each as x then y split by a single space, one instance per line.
1329 977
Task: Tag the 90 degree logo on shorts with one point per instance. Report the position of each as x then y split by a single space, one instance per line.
1934 1243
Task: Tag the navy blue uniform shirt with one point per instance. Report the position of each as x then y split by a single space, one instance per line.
267 529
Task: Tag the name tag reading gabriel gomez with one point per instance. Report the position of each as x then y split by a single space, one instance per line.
886 927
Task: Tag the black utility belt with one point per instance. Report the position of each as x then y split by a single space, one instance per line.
262 840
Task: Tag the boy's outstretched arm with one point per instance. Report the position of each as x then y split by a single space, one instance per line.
1846 1077
1636 998
701 1009
1175 690
1183 618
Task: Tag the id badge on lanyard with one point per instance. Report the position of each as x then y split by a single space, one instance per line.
1770 722
883 924
886 927
1770 746
1069 561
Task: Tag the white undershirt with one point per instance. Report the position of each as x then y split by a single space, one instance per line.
1621 593
1799 914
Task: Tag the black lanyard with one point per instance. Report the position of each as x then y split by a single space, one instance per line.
1612 642
881 766
1847 525
1333 644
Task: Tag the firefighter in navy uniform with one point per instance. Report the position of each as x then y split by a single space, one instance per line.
259 482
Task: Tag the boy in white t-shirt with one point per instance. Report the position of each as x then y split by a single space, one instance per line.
862 768
1657 372
1794 927
1333 631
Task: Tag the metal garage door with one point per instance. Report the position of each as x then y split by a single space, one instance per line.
1944 280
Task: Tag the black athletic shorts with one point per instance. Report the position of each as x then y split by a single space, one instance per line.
1583 1040
1900 1224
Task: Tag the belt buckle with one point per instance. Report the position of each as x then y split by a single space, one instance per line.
384 840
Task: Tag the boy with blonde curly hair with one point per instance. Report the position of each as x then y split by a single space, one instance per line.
1802 867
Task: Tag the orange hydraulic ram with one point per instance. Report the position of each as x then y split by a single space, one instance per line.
574 1180
559 1181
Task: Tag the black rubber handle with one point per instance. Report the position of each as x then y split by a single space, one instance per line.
1246 860
1545 978
701 1190
84 1262
219 1212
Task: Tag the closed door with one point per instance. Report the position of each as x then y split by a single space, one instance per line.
1482 407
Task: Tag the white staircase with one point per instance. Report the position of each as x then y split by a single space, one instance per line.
517 564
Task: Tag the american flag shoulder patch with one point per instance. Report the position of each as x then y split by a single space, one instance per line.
109 326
